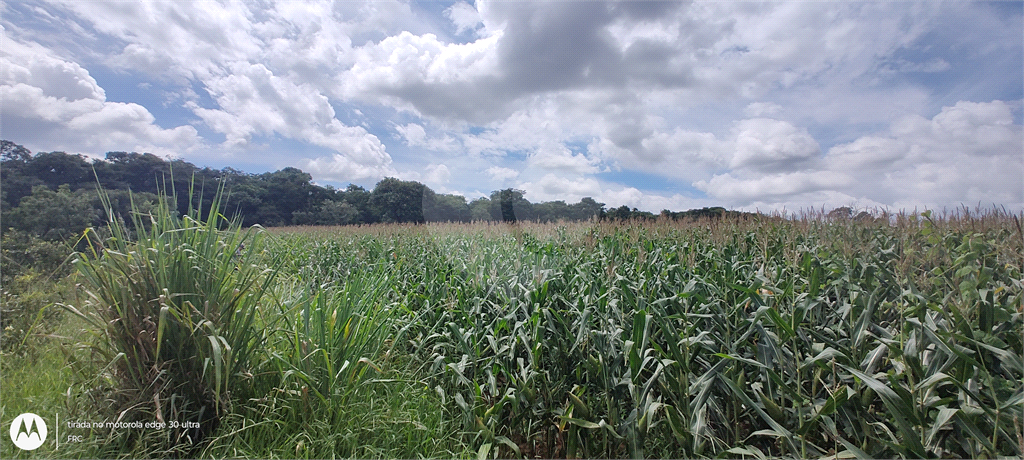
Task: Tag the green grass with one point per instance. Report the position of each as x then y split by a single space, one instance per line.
900 337
46 381
37 384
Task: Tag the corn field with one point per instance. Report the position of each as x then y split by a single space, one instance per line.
766 337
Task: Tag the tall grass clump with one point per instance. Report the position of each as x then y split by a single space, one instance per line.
176 302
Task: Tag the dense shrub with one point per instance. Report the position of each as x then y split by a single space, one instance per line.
30 271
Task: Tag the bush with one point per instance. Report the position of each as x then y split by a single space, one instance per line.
53 215
30 270
21 253
27 312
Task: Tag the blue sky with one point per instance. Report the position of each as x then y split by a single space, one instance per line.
654 105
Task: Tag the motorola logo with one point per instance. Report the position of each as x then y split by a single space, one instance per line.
28 431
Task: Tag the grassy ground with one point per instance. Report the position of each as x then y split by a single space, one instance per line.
43 382
896 337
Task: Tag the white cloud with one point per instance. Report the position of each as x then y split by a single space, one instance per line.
501 174
437 174
760 144
174 40
464 17
559 158
552 187
776 186
253 101
426 76
689 147
340 168
775 145
413 133
33 65
407 59
868 154
966 154
50 103
625 196
761 109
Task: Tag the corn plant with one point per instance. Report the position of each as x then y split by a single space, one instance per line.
752 338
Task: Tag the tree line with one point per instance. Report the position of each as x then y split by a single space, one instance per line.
53 195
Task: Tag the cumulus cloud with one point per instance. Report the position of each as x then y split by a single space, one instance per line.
501 174
173 40
759 109
572 189
761 144
464 17
688 147
775 145
774 186
966 154
525 50
33 65
437 174
230 50
414 135
51 103
341 168
555 187
559 158
254 101
426 76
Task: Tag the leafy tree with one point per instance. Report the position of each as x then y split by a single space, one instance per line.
23 253
337 213
57 168
842 213
139 172
121 203
53 215
9 151
698 213
551 211
398 201
509 205
289 190
243 197
586 209
359 198
624 213
445 208
480 209
620 213
15 181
